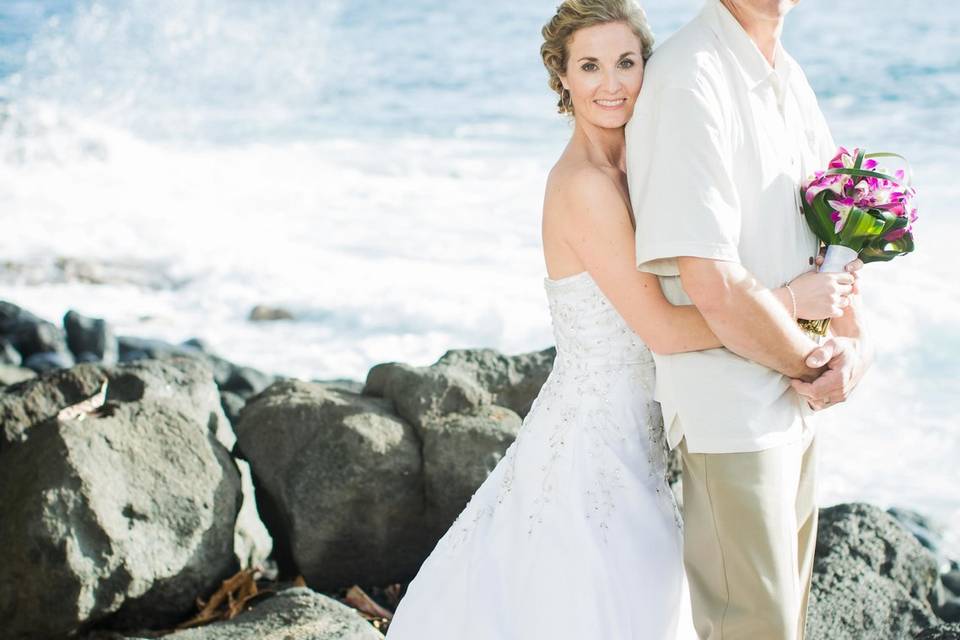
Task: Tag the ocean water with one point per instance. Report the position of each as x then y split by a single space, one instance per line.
378 168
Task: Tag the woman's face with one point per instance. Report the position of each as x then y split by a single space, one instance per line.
604 73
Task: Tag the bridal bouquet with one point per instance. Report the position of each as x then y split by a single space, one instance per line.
859 209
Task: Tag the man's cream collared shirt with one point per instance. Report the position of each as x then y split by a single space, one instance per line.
716 149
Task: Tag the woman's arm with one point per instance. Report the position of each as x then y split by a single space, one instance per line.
599 232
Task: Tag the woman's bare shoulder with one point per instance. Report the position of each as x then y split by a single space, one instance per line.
573 182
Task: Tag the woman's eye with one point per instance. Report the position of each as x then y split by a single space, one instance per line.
627 63
590 66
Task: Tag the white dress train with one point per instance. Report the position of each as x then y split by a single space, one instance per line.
575 534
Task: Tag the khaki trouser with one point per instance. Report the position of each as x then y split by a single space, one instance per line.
749 537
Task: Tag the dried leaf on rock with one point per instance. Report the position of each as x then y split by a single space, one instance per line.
359 600
229 601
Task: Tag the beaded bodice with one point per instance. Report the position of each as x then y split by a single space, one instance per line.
602 368
586 326
594 428
579 500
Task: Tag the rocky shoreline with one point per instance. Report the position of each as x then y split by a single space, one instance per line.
142 483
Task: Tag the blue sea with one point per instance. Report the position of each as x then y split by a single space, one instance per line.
377 169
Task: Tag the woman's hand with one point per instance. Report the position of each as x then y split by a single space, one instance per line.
852 267
825 295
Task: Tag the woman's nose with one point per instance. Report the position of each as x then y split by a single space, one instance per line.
611 81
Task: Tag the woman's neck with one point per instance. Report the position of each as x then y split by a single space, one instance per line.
604 146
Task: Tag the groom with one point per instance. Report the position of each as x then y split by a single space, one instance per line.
724 130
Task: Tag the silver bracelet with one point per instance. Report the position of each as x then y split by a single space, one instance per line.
793 298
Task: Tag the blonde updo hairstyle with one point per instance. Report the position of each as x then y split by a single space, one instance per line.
573 15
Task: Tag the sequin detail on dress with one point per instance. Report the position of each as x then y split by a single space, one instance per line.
574 534
597 356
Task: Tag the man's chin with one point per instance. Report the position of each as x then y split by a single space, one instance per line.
787 5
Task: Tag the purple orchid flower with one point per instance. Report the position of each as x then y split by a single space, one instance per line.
841 211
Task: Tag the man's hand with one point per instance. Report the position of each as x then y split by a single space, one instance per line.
846 365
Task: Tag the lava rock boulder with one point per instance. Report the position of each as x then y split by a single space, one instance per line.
117 495
872 579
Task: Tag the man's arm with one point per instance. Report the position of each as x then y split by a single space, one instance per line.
747 317
686 203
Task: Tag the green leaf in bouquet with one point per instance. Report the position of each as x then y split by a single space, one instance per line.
890 220
860 227
861 173
908 170
858 162
819 216
881 250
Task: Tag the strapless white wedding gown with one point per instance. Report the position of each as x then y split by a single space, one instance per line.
575 534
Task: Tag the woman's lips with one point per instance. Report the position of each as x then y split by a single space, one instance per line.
610 105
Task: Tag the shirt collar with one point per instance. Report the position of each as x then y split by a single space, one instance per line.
750 61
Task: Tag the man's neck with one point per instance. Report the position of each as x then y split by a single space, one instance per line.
762 28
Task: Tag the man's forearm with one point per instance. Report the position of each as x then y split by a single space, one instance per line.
746 316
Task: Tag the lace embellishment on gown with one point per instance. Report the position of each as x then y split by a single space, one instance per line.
598 356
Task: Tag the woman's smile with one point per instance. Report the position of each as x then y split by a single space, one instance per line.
610 104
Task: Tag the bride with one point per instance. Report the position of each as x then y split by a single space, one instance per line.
575 534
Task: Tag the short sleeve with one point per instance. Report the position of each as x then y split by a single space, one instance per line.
684 199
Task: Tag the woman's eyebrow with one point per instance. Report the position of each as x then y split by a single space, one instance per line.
622 56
